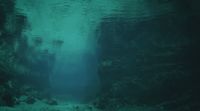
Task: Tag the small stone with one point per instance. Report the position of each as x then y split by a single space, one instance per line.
22 98
30 100
51 102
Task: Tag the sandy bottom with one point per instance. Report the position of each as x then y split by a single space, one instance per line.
70 107
40 106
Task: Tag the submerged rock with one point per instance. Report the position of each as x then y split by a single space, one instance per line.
30 100
51 102
8 100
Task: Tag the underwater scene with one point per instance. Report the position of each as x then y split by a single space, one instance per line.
99 55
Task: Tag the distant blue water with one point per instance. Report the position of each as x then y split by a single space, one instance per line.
76 79
74 23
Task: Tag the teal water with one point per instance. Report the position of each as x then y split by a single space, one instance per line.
74 24
99 55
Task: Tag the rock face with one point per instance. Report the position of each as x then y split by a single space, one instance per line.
149 55
151 61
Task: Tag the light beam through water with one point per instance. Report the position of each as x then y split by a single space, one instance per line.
73 23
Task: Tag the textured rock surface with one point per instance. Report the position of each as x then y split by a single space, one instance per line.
151 61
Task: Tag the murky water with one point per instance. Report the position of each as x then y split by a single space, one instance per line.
110 55
67 29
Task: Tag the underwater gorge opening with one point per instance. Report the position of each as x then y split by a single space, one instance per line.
66 30
63 33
